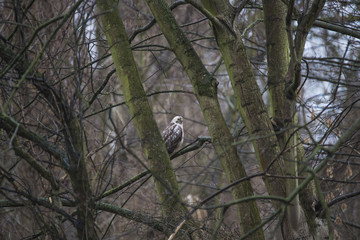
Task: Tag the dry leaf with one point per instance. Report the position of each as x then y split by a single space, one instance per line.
348 172
338 220
329 122
329 171
339 188
312 114
329 197
343 207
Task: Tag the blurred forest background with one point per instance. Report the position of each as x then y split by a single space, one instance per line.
72 164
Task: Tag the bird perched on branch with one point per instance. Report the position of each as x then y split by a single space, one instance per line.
173 134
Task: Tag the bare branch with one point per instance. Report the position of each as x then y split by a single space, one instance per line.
9 124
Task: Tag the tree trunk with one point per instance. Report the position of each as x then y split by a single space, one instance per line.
281 74
283 109
135 97
247 92
271 150
205 89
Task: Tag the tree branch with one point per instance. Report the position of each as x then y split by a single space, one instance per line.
29 69
131 215
32 200
137 217
34 164
152 22
190 147
337 28
9 124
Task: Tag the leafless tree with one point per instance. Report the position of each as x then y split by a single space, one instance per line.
269 92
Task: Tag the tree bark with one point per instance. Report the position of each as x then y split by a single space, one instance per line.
205 89
271 150
247 92
283 108
283 73
135 97
73 159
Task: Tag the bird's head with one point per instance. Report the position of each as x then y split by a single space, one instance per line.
177 119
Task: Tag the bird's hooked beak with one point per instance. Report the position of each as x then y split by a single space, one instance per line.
178 119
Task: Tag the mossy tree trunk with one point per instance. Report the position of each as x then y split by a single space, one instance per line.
284 77
247 92
283 108
74 140
277 154
140 110
205 89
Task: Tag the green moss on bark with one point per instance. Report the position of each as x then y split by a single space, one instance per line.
140 110
204 86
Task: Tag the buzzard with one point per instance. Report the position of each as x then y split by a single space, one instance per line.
173 134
